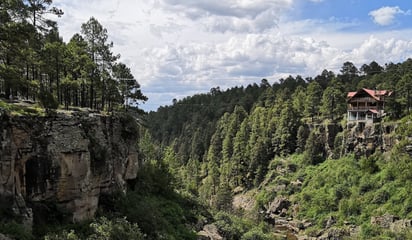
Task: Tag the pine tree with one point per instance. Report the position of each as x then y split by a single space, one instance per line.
99 49
333 102
287 130
313 100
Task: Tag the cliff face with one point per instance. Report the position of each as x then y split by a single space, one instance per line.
66 161
365 139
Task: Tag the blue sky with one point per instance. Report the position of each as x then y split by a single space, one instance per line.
177 48
358 11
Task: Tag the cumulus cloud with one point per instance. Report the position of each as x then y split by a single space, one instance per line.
177 48
248 58
232 15
385 16
385 51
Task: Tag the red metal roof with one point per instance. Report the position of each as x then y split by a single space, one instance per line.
373 111
376 94
351 94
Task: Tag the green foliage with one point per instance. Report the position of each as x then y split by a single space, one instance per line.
116 229
224 197
263 197
302 135
130 126
34 57
64 235
15 230
256 234
211 145
48 100
232 227
368 164
102 229
155 207
314 148
15 109
313 100
333 101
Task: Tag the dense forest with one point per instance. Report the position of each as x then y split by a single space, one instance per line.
262 142
223 144
35 63
230 137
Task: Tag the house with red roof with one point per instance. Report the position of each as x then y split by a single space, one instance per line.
367 105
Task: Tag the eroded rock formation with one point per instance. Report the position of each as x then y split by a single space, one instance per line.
65 161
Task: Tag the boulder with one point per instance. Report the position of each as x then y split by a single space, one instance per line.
276 207
334 234
330 221
209 232
384 221
401 225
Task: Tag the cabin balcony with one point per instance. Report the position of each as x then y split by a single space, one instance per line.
364 115
362 108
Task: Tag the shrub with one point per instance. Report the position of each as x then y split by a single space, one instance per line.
368 164
15 230
230 226
116 229
48 101
369 231
64 235
381 197
256 234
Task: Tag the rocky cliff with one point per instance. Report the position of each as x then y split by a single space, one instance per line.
65 161
364 139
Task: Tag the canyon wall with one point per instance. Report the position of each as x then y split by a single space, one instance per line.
65 161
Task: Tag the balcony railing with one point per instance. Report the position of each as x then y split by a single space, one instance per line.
363 99
363 108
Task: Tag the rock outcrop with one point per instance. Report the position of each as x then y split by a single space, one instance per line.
279 206
364 139
209 232
392 222
66 161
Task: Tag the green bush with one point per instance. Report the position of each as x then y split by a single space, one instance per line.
15 230
368 164
102 229
256 234
155 207
116 229
350 207
369 231
130 127
64 235
48 100
230 226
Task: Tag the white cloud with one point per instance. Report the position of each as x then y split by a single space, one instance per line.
177 48
385 16
249 58
383 51
231 15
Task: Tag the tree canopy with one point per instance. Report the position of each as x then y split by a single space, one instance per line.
35 61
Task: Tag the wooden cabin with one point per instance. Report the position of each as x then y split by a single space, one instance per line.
367 105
